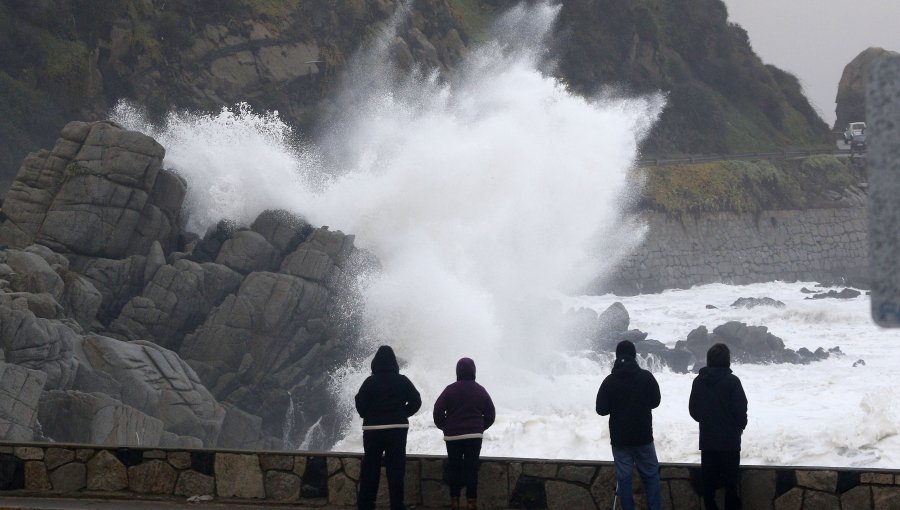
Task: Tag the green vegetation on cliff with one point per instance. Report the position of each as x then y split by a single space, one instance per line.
744 186
74 59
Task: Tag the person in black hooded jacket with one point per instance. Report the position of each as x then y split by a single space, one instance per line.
385 402
719 404
628 395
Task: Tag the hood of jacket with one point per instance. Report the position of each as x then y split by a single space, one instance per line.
710 376
385 360
465 370
626 367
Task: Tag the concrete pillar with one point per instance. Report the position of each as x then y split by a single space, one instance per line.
883 153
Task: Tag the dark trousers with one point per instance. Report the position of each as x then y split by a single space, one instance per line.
388 445
721 469
462 465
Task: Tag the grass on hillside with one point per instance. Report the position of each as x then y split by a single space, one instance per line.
743 186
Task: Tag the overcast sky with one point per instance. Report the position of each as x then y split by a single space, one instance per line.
815 39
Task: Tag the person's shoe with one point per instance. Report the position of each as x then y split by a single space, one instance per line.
454 503
471 504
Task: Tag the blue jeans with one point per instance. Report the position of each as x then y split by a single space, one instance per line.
644 459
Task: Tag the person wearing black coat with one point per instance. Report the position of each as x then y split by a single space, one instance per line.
385 402
719 404
628 395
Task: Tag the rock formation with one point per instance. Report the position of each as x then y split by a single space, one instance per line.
117 327
748 344
851 95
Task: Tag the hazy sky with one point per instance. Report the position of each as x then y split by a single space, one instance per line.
815 39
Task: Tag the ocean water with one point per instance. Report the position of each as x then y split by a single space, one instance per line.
825 413
490 197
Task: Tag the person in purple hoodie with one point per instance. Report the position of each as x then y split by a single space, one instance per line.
463 412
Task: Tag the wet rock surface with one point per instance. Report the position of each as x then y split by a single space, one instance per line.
118 327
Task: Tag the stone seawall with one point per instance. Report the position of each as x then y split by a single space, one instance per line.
815 244
330 480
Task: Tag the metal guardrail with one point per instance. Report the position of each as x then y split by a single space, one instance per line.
749 156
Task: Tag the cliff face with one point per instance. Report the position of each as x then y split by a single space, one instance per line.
851 95
64 59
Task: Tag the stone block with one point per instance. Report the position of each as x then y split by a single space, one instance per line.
36 478
282 486
412 482
179 460
432 469
886 498
106 473
567 495
154 454
604 487
191 483
670 473
876 478
276 462
84 454
514 472
580 474
757 488
299 465
493 485
790 500
684 497
435 494
857 497
55 457
29 453
342 491
152 477
70 477
352 466
819 480
539 469
334 465
817 500
239 476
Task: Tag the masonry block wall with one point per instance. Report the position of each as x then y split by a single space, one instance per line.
814 245
330 480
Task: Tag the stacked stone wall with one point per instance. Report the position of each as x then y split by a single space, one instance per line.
330 480
814 245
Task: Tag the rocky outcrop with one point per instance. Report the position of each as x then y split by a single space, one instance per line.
118 328
101 192
748 344
261 344
851 95
20 391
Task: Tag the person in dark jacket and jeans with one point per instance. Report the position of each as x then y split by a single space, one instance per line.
628 395
718 402
385 402
463 412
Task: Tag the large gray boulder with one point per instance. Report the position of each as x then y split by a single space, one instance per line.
284 230
37 343
100 192
20 392
117 280
278 335
95 418
158 383
175 302
248 251
31 273
80 300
